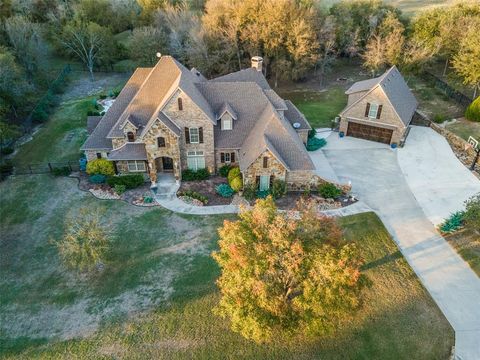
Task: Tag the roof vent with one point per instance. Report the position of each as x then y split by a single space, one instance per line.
296 125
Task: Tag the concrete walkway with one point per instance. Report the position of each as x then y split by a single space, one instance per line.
378 180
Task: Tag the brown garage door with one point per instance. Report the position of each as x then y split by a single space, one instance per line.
368 132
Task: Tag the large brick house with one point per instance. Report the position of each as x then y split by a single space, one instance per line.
168 119
379 109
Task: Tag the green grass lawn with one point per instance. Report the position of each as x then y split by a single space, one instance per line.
467 244
319 107
155 297
465 128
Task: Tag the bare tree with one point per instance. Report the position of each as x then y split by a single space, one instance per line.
84 41
374 55
327 51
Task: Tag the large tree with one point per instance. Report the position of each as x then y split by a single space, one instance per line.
88 42
145 42
467 61
26 40
285 274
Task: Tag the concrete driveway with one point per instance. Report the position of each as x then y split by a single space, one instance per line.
378 180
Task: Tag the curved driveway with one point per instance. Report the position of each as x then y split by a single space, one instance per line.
379 180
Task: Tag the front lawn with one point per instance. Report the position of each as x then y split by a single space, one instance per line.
154 298
465 128
467 244
319 107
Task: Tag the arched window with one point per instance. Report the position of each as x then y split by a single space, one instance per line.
130 136
180 104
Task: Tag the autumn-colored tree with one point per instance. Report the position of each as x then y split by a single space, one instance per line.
287 274
467 61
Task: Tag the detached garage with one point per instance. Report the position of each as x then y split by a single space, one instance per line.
379 109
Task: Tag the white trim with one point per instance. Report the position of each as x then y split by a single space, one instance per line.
370 110
136 162
190 135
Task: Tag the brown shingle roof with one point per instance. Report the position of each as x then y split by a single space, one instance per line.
245 75
98 139
92 122
129 151
293 115
277 101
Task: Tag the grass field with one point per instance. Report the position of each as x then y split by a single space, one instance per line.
319 107
155 296
467 244
465 128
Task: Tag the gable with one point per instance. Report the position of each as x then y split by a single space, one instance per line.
376 96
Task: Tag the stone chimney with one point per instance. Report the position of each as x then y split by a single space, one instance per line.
257 62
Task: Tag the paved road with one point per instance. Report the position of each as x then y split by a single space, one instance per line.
378 180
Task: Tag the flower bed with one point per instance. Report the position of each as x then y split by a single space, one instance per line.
207 188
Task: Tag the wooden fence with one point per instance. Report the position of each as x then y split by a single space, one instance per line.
460 98
45 168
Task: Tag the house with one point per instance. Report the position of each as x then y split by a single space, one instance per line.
379 109
168 119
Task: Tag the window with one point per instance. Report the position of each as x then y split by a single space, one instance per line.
195 160
161 142
372 112
136 165
265 162
194 136
180 103
226 123
227 157
99 155
130 136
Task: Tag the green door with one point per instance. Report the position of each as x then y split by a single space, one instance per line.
264 182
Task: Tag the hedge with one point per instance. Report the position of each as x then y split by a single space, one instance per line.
130 181
100 166
191 175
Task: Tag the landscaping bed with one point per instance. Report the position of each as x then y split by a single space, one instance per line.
205 188
289 201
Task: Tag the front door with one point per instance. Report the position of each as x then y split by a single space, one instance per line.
264 182
167 163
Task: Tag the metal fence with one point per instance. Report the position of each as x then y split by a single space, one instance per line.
460 98
45 168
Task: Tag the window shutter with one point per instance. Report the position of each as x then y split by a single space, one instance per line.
379 111
232 157
180 104
271 180
200 135
222 157
367 109
257 181
265 162
187 136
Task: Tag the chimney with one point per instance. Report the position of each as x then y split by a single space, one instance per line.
257 62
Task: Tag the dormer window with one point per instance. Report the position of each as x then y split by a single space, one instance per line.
130 136
227 122
180 104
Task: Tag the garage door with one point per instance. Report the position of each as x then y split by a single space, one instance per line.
368 132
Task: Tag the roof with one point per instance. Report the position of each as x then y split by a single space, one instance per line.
245 75
167 76
92 122
169 123
293 115
98 139
275 134
129 151
227 108
277 101
396 90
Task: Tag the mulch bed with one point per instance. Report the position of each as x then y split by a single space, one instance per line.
207 188
289 201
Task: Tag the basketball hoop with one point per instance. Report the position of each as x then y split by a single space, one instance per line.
468 146
473 144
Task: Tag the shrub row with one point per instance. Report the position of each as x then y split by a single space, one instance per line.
195 195
192 175
315 143
130 181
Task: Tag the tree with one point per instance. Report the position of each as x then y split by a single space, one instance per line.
392 32
85 241
472 213
7 132
327 49
86 41
280 274
374 55
27 43
146 41
467 62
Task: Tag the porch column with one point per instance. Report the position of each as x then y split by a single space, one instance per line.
152 172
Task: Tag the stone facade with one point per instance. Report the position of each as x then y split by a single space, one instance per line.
92 154
305 180
218 159
171 149
389 119
274 168
191 116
